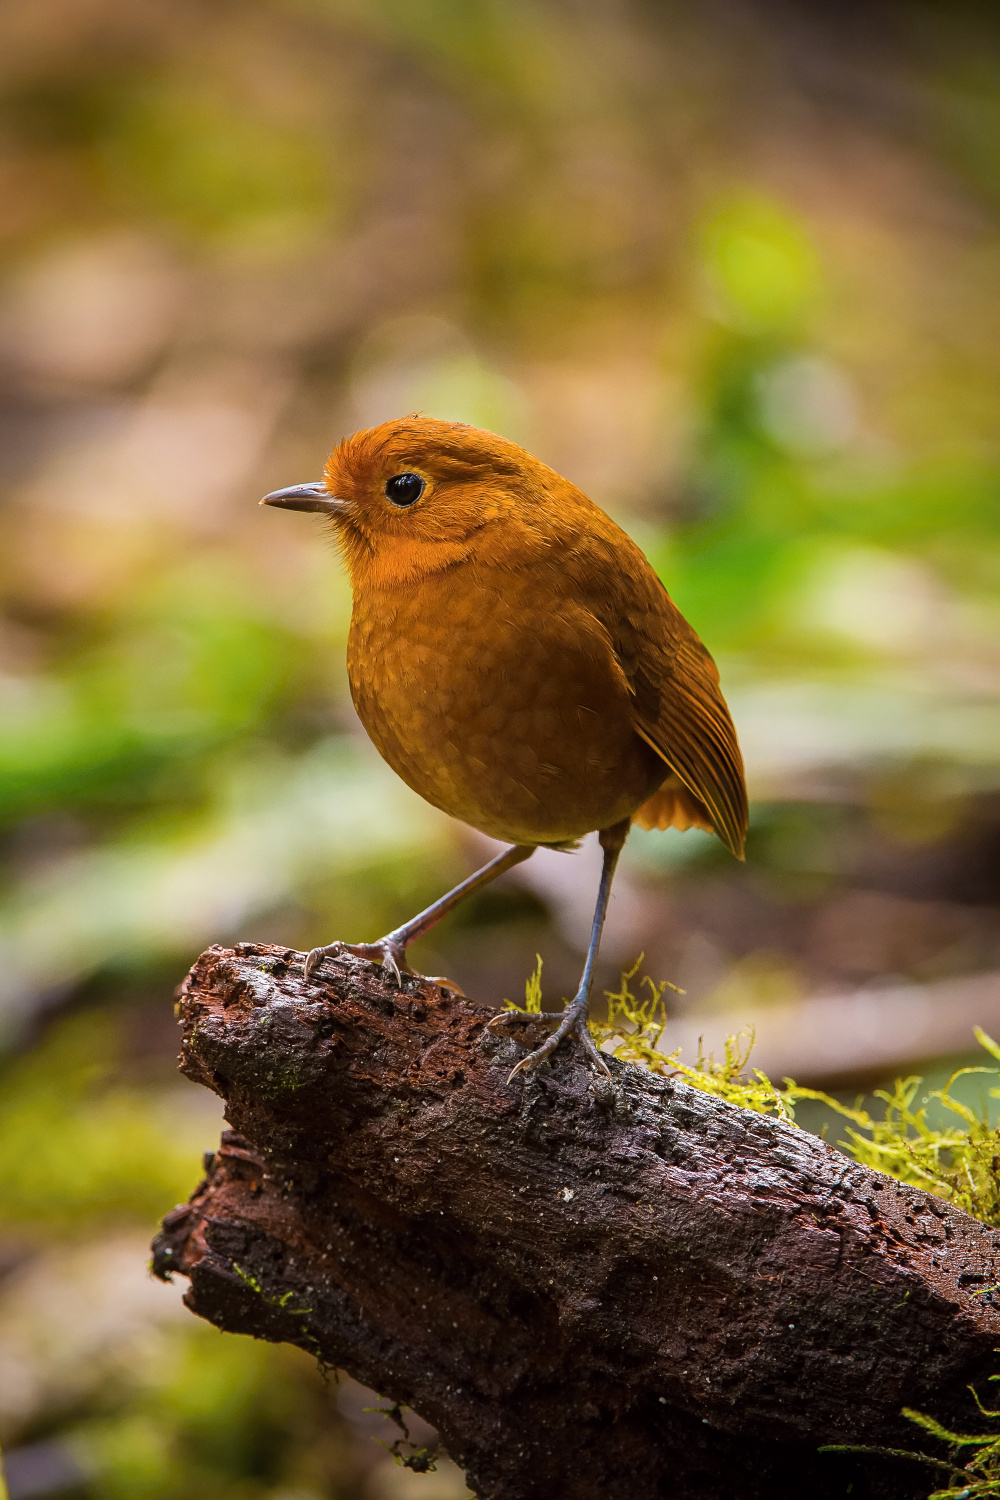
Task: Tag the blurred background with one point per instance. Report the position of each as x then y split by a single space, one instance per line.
734 268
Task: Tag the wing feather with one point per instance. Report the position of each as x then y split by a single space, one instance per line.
677 703
681 713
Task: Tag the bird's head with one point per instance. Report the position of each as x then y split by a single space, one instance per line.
415 495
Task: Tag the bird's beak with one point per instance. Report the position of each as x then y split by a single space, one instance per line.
313 496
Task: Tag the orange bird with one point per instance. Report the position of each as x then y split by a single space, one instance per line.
518 663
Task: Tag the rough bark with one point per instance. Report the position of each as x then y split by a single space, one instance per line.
625 1290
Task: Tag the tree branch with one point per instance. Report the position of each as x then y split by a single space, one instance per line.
622 1291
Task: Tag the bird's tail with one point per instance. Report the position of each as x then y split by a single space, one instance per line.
674 806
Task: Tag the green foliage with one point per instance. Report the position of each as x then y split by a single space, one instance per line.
185 1414
633 1032
761 265
179 675
958 1163
418 1460
978 1475
532 990
279 1302
969 1478
212 1418
79 1146
210 165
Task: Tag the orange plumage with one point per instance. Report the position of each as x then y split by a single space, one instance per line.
512 654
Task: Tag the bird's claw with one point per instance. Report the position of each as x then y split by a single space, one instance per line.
386 951
444 984
514 1014
572 1022
391 955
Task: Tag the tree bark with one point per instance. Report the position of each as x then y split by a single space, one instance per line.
626 1290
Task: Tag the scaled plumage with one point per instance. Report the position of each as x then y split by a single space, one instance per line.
512 653
515 658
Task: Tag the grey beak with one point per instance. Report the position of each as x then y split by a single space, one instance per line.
313 496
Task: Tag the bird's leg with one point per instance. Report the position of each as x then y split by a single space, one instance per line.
574 1017
390 950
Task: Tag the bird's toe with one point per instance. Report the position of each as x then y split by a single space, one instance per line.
444 983
572 1023
393 963
316 956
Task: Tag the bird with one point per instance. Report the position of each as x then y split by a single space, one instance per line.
518 662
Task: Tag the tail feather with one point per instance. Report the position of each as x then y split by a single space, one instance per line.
674 806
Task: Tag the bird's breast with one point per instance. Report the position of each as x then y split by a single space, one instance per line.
502 706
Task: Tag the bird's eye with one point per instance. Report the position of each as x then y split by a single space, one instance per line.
403 489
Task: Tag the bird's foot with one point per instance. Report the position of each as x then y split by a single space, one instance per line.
572 1023
515 1014
388 951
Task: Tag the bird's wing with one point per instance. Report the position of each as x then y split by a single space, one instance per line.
681 713
678 707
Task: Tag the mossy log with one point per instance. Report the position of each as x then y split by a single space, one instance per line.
621 1290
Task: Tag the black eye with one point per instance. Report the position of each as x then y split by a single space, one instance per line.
403 489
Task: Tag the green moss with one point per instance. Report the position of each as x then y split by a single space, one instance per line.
634 1030
279 1302
957 1162
970 1476
419 1460
283 1304
532 990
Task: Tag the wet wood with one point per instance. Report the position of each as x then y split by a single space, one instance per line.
625 1290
